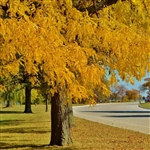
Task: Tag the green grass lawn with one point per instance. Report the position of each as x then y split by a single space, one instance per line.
32 131
145 105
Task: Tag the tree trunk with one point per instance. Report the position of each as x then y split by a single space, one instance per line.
46 103
28 99
60 131
8 100
70 115
8 103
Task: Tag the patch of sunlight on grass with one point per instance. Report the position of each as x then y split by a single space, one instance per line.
22 129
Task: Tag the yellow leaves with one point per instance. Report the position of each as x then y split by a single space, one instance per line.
33 80
72 48
92 73
2 88
13 68
80 28
67 3
3 2
18 8
13 6
30 68
113 79
73 14
131 80
9 69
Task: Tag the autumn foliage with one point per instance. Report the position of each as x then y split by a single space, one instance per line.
73 49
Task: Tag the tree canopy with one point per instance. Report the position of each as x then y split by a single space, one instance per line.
73 49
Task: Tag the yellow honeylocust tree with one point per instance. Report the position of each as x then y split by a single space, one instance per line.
72 49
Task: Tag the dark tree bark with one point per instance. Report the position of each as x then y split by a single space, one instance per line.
46 103
8 103
8 100
60 131
27 99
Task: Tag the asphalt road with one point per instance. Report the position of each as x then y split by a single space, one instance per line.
122 115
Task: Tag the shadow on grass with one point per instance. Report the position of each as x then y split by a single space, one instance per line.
142 113
128 116
11 112
18 122
10 122
33 146
24 130
19 146
116 111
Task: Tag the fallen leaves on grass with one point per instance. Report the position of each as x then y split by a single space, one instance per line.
91 135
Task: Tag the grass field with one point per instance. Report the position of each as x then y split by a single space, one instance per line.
145 105
32 131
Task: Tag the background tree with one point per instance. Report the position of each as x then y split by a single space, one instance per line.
9 94
114 92
100 96
121 91
45 92
133 94
118 92
146 86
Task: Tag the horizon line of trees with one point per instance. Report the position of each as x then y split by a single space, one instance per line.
119 94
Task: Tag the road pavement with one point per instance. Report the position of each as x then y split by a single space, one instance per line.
122 115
